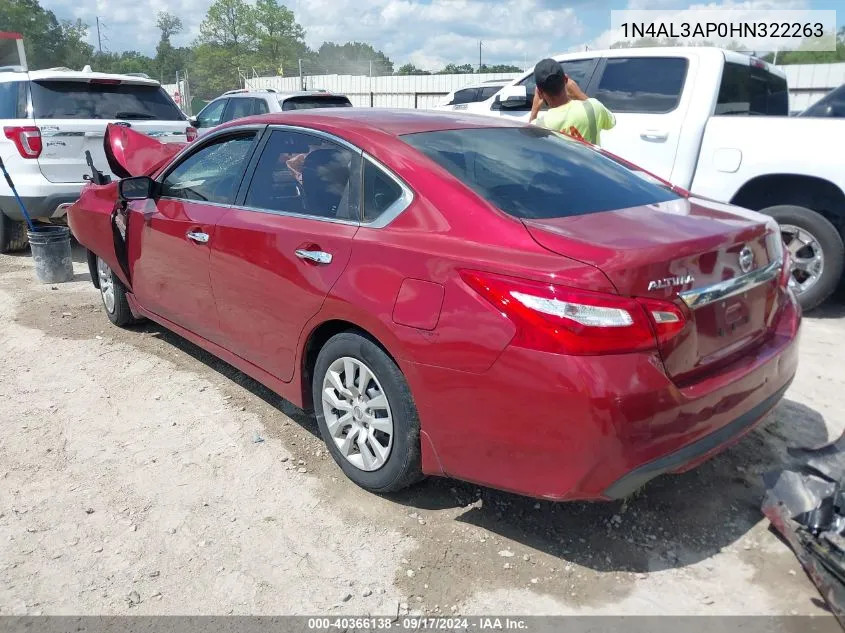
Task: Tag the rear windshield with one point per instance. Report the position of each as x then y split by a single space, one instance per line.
530 172
748 90
83 100
307 103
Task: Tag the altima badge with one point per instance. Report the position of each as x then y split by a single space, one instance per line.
670 282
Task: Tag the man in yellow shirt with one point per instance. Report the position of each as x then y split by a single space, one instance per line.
570 111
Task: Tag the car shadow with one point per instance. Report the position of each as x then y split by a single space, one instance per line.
302 418
674 521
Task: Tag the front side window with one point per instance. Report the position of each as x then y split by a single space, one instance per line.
642 84
746 90
212 114
306 175
532 173
212 173
53 99
260 106
489 91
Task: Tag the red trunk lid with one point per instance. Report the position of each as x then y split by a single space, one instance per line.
666 249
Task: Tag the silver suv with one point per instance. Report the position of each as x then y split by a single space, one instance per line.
237 104
49 118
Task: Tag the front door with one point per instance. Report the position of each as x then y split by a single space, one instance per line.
170 239
279 251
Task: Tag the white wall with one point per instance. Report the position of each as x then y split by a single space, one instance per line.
810 82
406 91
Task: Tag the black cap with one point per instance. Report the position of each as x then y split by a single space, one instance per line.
548 74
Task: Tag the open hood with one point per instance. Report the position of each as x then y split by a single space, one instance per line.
131 153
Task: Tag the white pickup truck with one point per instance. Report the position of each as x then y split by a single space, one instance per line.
715 123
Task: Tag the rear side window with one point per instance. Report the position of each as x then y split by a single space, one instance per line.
212 173
467 95
642 84
530 172
380 192
13 100
747 90
308 103
306 175
84 100
488 91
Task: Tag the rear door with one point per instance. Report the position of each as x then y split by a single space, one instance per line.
72 114
647 96
170 237
277 254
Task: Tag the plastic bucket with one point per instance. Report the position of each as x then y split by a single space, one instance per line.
51 253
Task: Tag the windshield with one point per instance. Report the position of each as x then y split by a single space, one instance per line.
530 172
84 100
307 103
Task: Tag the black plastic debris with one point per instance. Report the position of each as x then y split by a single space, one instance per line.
807 508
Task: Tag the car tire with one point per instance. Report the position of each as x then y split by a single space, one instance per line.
13 236
821 239
113 295
395 462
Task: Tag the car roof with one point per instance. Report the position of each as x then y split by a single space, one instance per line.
280 95
394 122
79 75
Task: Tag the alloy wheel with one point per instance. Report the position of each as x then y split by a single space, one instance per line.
806 257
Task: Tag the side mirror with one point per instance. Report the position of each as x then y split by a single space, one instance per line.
194 121
136 188
513 97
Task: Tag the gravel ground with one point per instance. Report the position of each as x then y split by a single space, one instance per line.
140 475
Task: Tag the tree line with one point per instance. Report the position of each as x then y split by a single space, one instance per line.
236 38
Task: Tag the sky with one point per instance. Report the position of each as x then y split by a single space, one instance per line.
427 33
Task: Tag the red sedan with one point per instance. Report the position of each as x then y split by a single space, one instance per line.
453 295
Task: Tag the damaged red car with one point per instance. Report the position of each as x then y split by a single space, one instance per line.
454 295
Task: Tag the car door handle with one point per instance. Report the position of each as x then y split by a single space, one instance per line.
654 135
198 237
318 257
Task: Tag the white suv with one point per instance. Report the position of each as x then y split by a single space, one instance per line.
237 104
49 118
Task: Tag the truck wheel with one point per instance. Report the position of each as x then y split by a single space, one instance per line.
13 235
816 252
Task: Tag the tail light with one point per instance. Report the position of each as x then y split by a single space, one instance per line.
565 320
191 134
27 140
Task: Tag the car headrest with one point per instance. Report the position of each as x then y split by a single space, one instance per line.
325 177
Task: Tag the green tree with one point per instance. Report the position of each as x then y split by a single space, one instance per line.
279 39
77 52
500 68
410 69
351 58
225 44
452 69
42 33
169 60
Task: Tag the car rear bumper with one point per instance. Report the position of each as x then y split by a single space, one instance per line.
564 428
48 207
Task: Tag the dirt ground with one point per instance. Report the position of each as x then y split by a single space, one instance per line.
140 475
